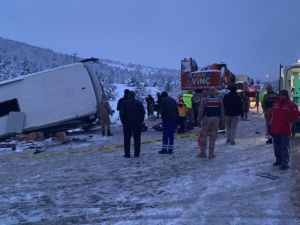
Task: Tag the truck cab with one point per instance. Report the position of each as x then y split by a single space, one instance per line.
216 75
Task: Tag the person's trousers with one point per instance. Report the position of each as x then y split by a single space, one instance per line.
191 116
209 129
129 130
168 135
181 123
267 114
230 126
105 126
281 145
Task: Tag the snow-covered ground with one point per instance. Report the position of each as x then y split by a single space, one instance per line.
89 182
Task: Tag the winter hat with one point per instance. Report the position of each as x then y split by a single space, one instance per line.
164 94
232 88
284 93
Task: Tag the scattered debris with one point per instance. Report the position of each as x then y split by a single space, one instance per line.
61 137
267 175
40 150
12 146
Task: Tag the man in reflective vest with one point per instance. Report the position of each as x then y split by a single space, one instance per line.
188 101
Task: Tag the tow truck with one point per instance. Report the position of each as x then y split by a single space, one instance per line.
216 75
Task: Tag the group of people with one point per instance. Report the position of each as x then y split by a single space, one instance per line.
280 113
132 115
153 106
210 112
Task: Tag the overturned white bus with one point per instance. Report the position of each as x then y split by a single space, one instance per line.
53 100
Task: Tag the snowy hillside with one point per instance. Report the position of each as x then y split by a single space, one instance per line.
17 59
22 51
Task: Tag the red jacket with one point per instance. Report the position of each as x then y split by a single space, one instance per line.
283 114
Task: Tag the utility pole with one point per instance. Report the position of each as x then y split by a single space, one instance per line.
75 54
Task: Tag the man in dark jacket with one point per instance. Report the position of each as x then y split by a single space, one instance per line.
267 103
157 105
150 105
169 115
132 116
233 110
123 99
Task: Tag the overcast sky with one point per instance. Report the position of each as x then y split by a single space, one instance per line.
251 36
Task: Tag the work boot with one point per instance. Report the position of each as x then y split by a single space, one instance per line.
212 156
227 141
103 133
269 141
276 163
170 151
232 143
201 155
163 151
284 167
109 134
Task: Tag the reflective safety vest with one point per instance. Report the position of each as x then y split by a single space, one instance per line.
187 99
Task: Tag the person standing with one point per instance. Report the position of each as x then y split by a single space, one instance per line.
150 105
212 112
188 101
257 100
204 95
267 103
157 105
233 110
182 111
105 111
196 102
245 101
123 99
169 115
132 117
283 113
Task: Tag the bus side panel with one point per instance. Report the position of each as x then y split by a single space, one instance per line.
53 96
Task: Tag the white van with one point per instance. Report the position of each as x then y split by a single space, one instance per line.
290 80
53 100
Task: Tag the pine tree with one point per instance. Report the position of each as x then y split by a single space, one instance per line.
109 88
132 82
